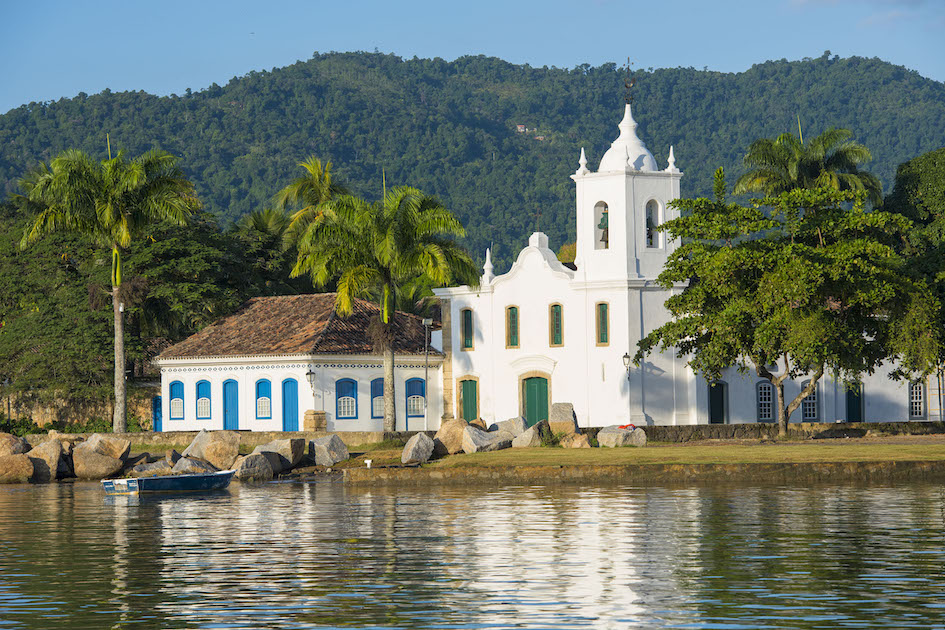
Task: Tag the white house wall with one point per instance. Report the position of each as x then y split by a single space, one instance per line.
247 372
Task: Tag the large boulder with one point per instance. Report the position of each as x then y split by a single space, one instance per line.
575 440
17 468
90 464
45 458
478 422
108 445
12 445
562 420
328 450
220 448
253 467
450 435
533 436
192 465
515 426
418 449
614 436
153 469
476 441
288 453
171 456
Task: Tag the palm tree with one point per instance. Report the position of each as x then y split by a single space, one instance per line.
308 193
375 249
111 203
785 163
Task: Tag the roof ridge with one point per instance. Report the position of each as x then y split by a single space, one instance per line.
331 318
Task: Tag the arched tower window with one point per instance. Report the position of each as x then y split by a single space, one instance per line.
601 226
652 220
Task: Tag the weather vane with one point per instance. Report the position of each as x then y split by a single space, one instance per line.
628 83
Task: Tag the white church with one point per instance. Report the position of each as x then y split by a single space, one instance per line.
544 332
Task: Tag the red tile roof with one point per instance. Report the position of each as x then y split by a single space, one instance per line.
297 324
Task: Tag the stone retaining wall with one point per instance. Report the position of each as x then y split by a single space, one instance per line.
797 474
799 430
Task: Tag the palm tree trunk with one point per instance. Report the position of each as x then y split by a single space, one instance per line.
390 417
118 424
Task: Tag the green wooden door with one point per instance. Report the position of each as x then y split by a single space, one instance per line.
855 404
470 398
717 403
536 400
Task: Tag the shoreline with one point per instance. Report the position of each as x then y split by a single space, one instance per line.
787 473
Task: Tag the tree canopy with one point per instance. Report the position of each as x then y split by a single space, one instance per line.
799 284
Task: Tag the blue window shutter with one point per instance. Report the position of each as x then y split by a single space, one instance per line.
415 387
203 391
346 388
377 387
177 389
263 389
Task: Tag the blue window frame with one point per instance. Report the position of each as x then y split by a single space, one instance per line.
377 398
203 400
177 401
346 399
416 397
263 399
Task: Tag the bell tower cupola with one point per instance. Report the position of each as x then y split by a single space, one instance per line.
619 207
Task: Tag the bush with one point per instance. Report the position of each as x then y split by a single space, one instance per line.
25 426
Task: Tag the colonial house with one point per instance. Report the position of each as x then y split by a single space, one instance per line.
262 367
543 332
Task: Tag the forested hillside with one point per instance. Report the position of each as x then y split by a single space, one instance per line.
450 128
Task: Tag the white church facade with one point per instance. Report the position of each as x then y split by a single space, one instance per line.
544 332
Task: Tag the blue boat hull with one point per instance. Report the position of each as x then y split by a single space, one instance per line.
169 483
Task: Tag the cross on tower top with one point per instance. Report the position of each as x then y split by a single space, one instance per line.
628 83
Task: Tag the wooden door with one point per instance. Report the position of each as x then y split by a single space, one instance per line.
535 395
290 405
231 409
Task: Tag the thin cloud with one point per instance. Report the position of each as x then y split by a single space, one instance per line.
886 18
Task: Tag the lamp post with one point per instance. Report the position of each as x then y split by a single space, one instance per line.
427 322
310 376
627 359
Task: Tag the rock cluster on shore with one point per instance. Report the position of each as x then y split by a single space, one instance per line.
103 456
458 436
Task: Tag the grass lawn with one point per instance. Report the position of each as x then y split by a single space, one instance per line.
806 452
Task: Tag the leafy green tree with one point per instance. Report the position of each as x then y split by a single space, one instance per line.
830 160
807 287
919 194
111 203
376 249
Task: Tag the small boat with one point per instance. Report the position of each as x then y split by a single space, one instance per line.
196 482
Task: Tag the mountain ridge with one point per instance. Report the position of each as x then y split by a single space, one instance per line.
450 128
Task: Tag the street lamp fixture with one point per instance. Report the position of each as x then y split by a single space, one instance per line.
626 360
427 322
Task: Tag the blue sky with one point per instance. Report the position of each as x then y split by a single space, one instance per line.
67 47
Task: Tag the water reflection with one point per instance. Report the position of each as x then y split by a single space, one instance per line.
324 555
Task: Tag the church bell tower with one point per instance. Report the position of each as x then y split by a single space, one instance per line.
618 208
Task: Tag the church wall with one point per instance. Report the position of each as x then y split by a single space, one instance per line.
884 400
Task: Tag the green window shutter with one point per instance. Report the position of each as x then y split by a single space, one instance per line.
602 328
512 340
467 329
556 325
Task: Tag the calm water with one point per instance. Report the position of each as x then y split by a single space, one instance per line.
323 555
